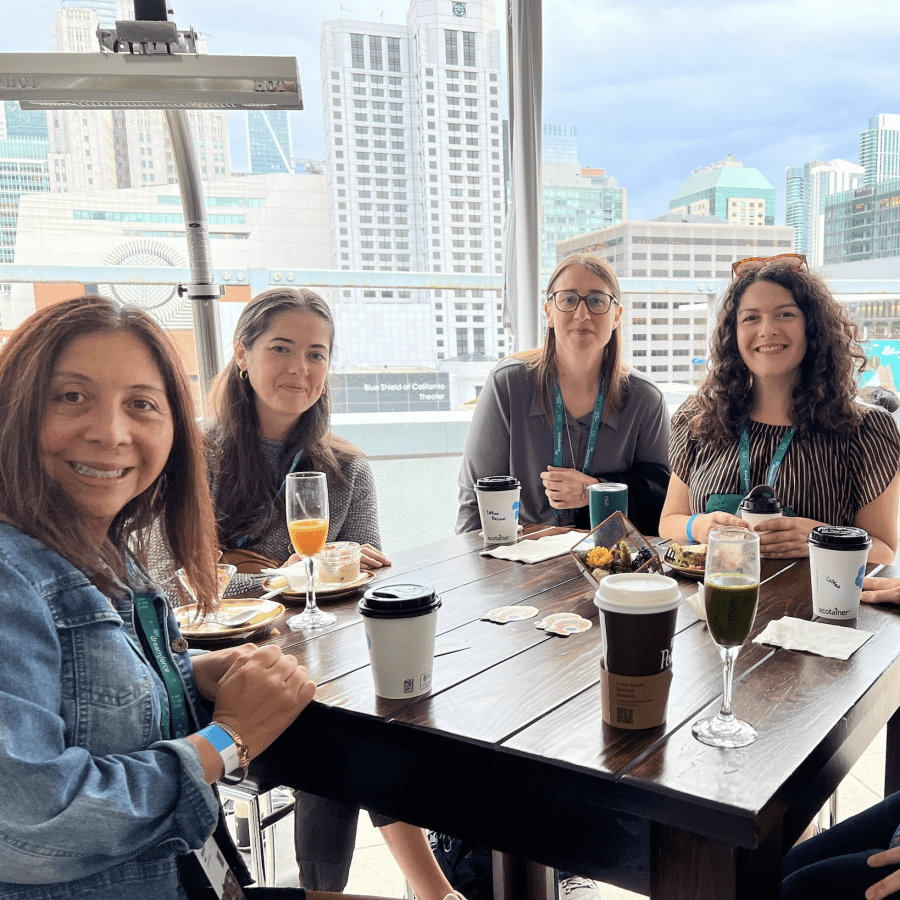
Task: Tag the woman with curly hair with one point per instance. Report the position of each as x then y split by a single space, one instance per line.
779 407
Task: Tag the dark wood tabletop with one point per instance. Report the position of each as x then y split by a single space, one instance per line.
510 748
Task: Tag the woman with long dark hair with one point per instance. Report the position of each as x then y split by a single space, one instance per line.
271 416
779 407
106 766
570 414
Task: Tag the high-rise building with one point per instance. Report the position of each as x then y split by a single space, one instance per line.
728 189
576 200
101 150
795 205
413 141
863 223
808 188
879 148
559 143
270 141
107 11
23 170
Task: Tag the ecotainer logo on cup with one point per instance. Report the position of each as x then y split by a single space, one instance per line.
400 622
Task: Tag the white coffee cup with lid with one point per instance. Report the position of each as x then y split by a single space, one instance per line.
400 622
837 564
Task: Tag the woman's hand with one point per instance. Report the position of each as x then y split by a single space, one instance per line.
210 667
566 488
785 537
705 523
889 885
881 590
262 692
372 558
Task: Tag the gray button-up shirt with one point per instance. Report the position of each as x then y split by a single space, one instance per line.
510 435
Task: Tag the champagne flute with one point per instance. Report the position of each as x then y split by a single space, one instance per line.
731 589
306 496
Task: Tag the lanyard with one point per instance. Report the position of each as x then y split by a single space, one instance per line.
774 466
243 540
559 424
174 707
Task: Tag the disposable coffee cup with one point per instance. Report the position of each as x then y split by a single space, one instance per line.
498 505
760 505
400 622
637 618
837 564
605 499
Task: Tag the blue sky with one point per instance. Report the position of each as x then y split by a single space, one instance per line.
656 89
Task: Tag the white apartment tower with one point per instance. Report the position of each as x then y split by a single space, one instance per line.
414 142
879 148
101 150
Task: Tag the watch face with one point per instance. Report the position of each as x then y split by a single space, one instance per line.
459 9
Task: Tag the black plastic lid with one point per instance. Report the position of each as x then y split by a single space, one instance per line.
839 537
398 601
497 483
761 500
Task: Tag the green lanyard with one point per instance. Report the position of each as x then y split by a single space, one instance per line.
774 466
174 707
559 424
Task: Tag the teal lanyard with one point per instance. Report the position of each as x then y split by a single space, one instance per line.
559 424
243 540
174 707
774 466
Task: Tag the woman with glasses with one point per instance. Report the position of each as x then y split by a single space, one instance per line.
779 407
570 414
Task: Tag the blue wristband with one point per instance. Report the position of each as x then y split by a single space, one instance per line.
224 745
690 524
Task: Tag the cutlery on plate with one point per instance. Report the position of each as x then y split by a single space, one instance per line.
239 618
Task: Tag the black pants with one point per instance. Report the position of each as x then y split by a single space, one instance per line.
834 865
324 838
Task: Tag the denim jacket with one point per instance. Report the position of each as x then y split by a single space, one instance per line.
93 801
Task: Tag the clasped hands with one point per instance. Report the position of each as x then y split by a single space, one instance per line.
780 538
566 488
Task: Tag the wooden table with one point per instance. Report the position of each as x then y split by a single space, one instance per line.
510 749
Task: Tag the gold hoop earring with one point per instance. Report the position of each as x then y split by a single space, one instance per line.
244 376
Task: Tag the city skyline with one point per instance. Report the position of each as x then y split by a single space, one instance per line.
655 91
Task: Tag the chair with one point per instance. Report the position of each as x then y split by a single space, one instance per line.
256 794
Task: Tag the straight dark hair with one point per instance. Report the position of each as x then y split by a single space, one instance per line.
613 372
32 501
244 490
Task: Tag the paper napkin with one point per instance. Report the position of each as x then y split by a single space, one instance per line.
835 641
538 550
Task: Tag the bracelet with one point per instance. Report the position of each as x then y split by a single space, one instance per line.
224 745
243 751
690 525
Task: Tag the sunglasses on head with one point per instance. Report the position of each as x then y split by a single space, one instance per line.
793 262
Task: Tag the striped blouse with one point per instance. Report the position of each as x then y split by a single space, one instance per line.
825 477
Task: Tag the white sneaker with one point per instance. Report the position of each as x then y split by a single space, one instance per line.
578 888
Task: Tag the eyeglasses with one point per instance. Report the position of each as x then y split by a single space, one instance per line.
597 302
793 262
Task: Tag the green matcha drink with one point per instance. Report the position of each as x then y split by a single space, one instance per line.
730 607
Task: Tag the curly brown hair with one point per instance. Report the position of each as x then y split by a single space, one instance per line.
824 396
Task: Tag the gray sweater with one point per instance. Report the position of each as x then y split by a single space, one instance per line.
353 516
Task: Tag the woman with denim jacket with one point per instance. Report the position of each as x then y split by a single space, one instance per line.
105 782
